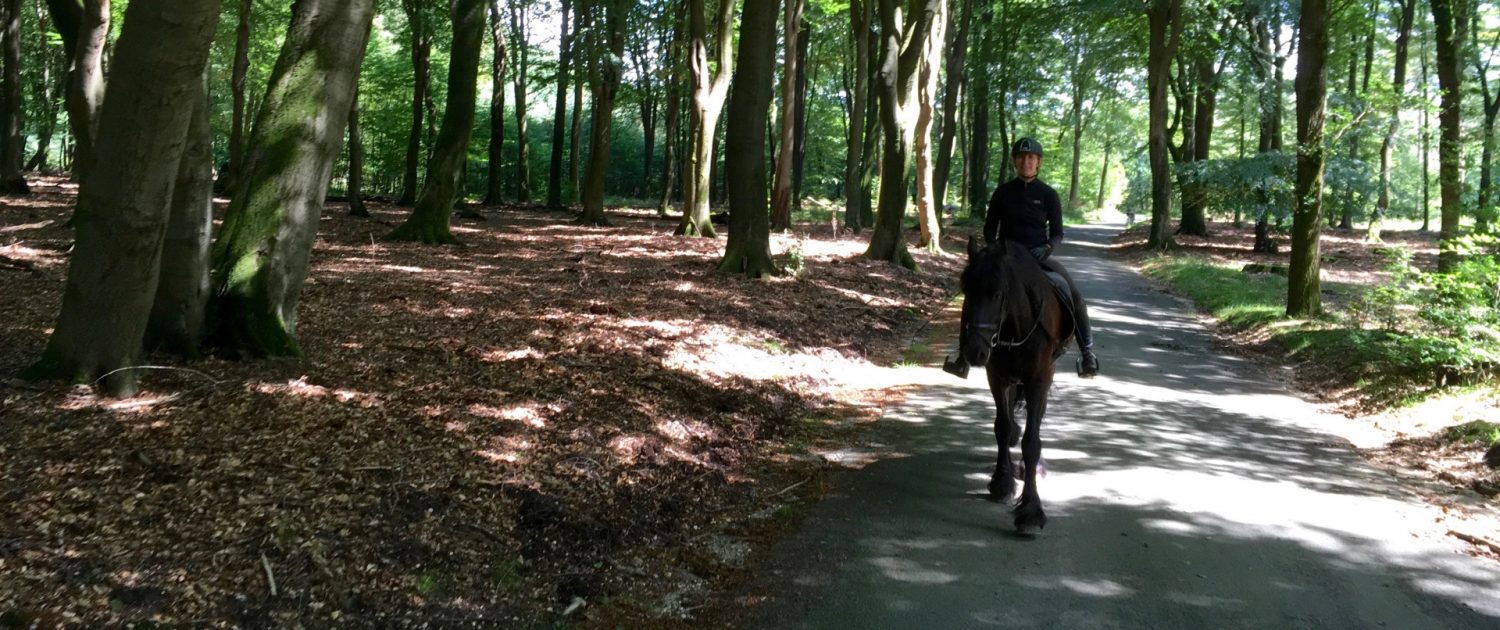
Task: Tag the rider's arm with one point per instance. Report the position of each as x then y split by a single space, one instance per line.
1054 220
992 218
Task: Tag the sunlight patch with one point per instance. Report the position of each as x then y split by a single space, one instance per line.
524 414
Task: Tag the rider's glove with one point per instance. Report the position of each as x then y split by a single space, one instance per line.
1041 252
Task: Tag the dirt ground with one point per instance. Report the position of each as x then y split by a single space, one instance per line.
549 422
1461 483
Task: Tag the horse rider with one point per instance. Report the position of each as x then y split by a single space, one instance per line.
1027 211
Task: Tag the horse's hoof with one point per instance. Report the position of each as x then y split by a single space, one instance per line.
1000 490
1029 518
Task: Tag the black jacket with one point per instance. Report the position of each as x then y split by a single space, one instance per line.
1028 213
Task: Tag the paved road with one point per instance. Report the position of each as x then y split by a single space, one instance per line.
1186 489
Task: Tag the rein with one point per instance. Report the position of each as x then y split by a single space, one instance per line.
1036 322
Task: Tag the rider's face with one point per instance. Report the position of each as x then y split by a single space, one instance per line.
1027 165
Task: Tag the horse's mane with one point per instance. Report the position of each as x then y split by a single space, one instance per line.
1007 268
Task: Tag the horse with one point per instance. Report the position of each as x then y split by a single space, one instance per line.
1016 324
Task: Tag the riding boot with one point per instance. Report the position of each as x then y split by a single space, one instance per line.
956 366
1088 364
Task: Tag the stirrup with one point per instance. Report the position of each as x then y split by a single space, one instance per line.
959 368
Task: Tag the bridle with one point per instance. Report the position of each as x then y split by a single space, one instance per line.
995 342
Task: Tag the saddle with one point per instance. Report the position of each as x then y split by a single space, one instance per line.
1065 298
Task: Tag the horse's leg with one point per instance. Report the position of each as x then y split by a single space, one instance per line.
1028 513
1003 482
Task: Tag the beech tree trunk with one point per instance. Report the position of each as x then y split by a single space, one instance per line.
979 136
260 257
523 147
431 219
854 197
781 196
177 323
560 111
1450 19
230 176
356 160
674 111
901 58
1194 202
582 69
748 250
605 90
1165 18
12 142
928 204
1387 145
958 45
1304 289
710 87
121 217
421 52
495 186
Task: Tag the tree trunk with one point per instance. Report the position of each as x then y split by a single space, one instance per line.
605 90
979 151
781 196
495 185
47 89
1103 174
582 68
241 67
260 257
710 86
958 44
177 322
430 220
674 110
927 80
122 211
748 250
1195 201
421 52
1451 20
1387 145
523 147
1166 29
901 59
799 131
356 160
13 141
859 24
1426 142
560 111
1079 77
1304 289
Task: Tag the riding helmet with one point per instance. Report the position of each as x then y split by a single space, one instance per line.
1026 145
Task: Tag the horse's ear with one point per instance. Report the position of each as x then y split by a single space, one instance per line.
973 246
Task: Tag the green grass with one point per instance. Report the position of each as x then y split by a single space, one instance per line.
1238 299
1475 432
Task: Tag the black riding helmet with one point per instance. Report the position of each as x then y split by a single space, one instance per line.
1026 145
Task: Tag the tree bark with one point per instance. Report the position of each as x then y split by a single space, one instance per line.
799 131
1304 289
241 67
1387 145
927 83
421 52
356 161
177 323
430 220
582 68
748 250
523 147
1426 142
261 255
495 186
854 198
1079 78
674 110
605 90
1166 30
979 151
781 196
13 141
1450 19
1485 210
953 88
121 218
901 58
710 87
1194 197
559 111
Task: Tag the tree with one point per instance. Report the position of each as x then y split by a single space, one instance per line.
928 203
429 221
83 27
121 217
523 56
958 45
356 161
979 125
902 52
748 250
1450 18
261 255
495 186
559 113
237 90
606 87
421 53
859 24
674 109
711 69
1165 20
781 196
1304 290
12 142
176 323
1406 11
1485 211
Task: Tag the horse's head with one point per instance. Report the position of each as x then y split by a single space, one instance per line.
984 288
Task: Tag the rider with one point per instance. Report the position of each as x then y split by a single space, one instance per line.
1027 211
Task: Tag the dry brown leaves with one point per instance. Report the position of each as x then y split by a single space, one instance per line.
480 435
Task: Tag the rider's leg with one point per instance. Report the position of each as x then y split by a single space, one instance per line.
1088 364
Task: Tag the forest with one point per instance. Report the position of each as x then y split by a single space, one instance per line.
274 211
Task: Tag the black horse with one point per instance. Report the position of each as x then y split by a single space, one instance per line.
1015 324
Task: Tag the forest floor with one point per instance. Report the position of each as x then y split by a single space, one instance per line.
1422 444
549 424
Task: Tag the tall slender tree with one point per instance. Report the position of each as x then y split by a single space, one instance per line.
13 140
518 29
421 53
495 185
1165 21
606 88
748 250
1304 289
260 257
177 321
122 216
1406 11
356 161
953 87
781 195
1485 210
860 16
979 126
560 111
711 64
928 203
430 220
674 108
237 94
1450 19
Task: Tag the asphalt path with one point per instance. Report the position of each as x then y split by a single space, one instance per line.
1186 488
